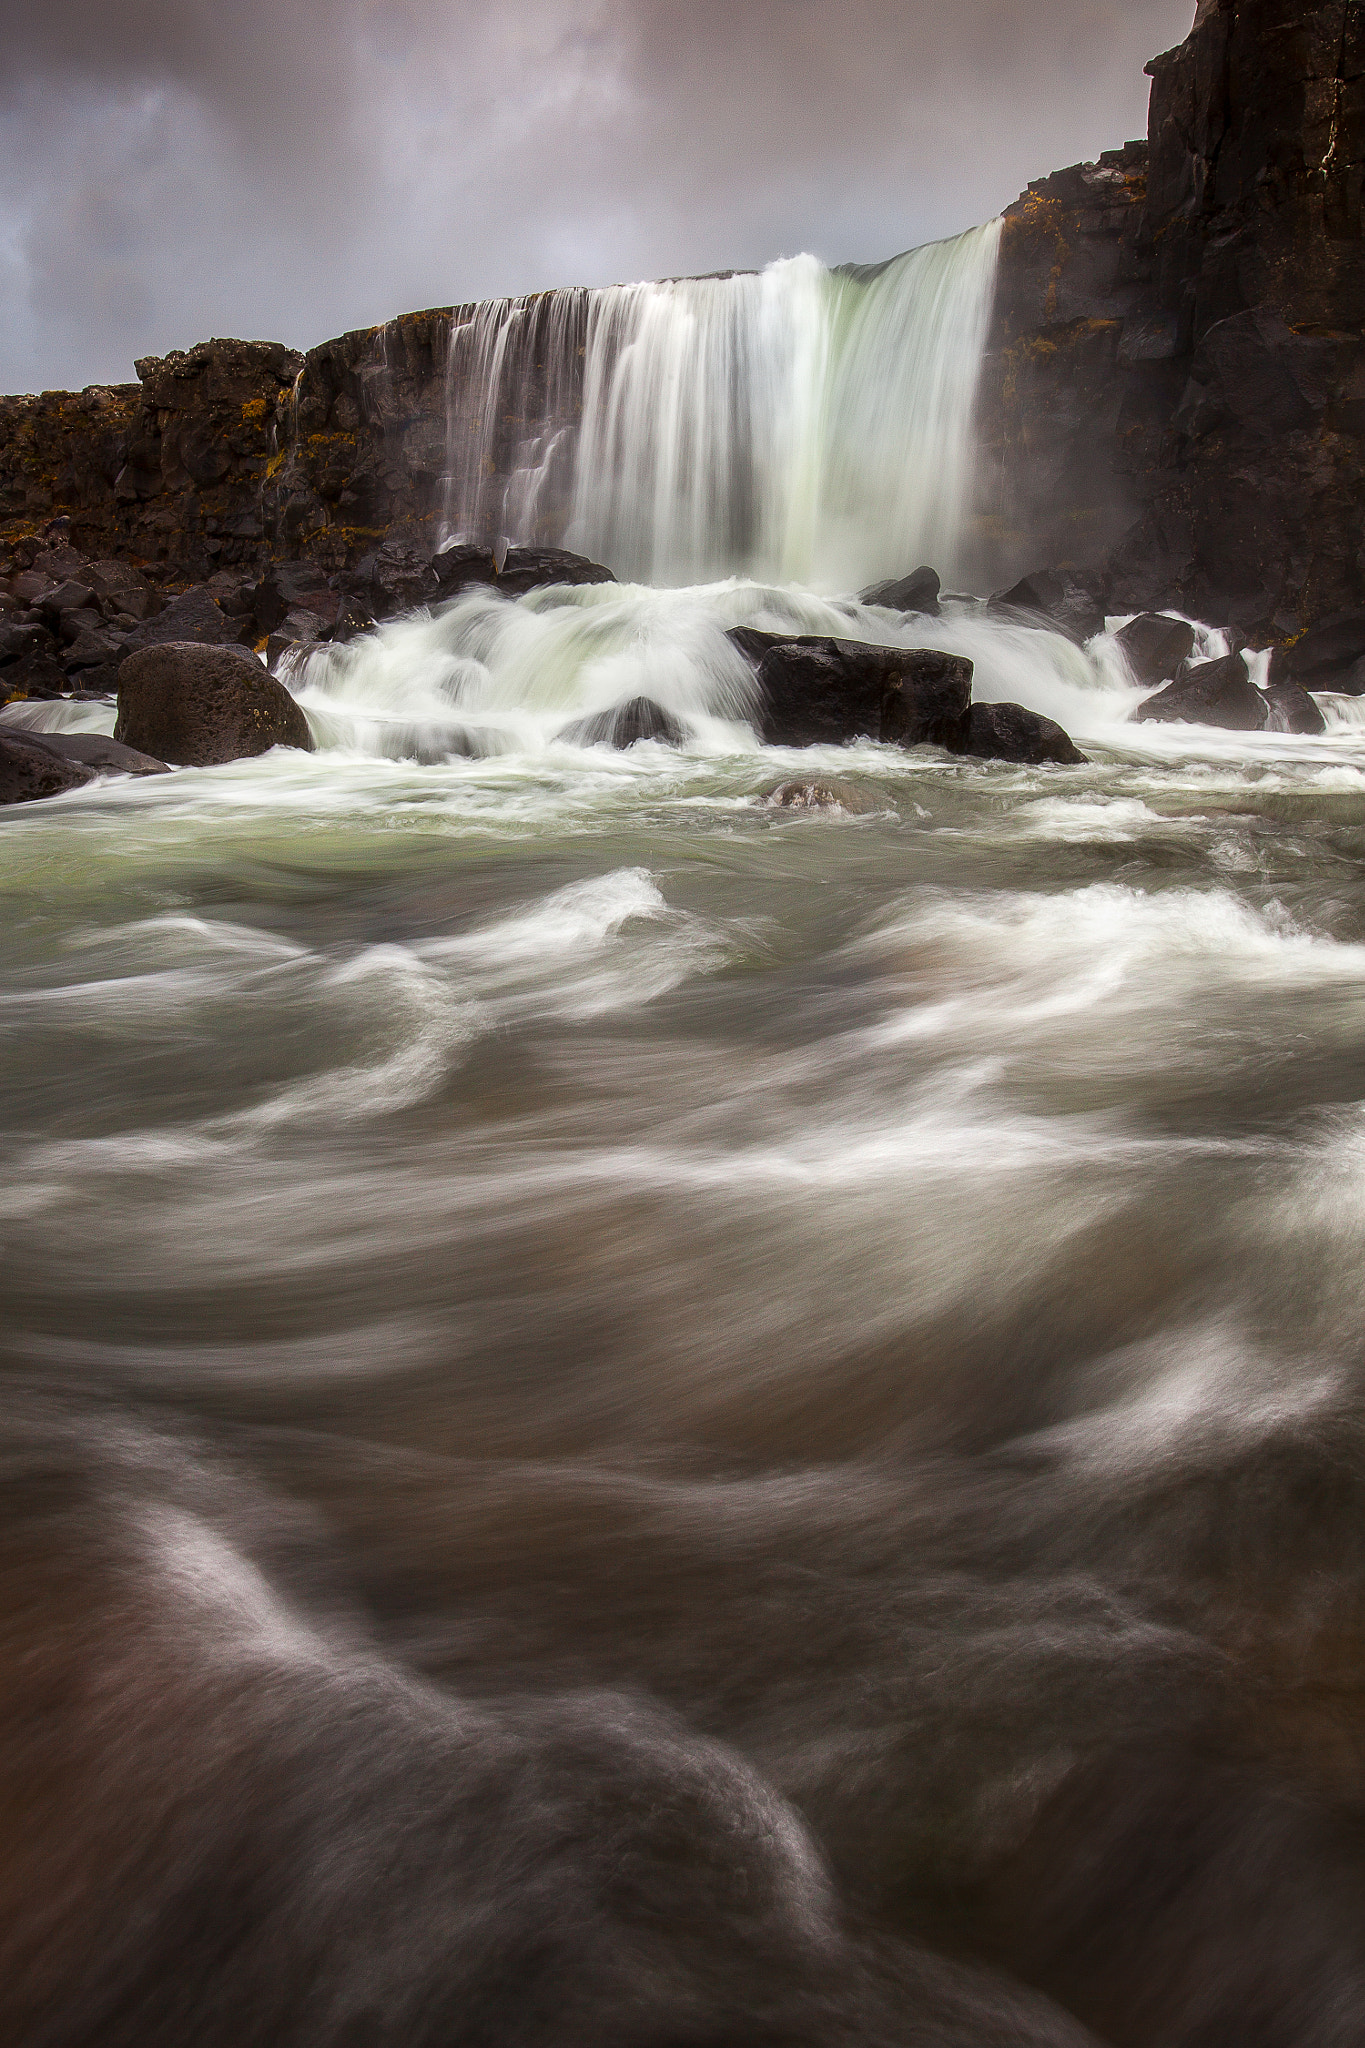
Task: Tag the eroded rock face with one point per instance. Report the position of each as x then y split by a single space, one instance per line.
199 707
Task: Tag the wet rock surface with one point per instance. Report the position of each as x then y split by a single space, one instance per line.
1154 646
1010 732
199 707
625 725
815 691
29 770
1218 692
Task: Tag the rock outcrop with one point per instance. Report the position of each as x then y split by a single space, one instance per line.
200 707
1175 390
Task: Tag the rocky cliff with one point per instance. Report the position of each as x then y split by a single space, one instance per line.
1176 383
1174 397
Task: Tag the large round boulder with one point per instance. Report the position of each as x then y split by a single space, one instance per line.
201 706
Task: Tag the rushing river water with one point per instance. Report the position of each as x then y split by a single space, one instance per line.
634 1417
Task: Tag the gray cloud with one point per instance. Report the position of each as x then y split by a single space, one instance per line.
293 167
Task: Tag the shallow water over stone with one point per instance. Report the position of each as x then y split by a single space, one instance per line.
550 1274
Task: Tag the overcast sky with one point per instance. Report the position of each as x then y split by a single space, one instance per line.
173 169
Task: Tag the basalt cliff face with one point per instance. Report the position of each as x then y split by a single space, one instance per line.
1173 397
1175 388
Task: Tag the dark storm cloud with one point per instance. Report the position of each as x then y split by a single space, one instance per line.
293 167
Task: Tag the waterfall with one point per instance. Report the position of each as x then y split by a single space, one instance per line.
796 424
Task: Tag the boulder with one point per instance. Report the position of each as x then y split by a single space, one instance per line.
1011 732
289 587
918 593
1059 598
92 649
92 750
123 588
67 597
29 770
1291 709
538 568
834 795
822 692
17 641
192 617
1155 646
461 563
1209 693
625 725
200 706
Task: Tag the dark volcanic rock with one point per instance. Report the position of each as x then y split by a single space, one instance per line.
822 692
200 706
29 770
918 593
1155 646
625 725
192 617
1059 599
463 563
1209 693
35 675
539 568
92 750
1010 732
1291 709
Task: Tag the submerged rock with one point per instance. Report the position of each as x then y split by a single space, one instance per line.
201 706
1155 646
92 750
823 692
834 795
625 725
1066 601
918 592
1217 693
29 770
1011 732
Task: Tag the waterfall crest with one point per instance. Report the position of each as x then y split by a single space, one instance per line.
795 424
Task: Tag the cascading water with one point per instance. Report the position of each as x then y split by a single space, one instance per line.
796 424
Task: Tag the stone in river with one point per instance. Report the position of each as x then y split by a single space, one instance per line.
92 750
29 770
823 692
1291 709
918 592
1217 693
625 725
1155 646
537 568
1011 732
833 795
1057 598
201 706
